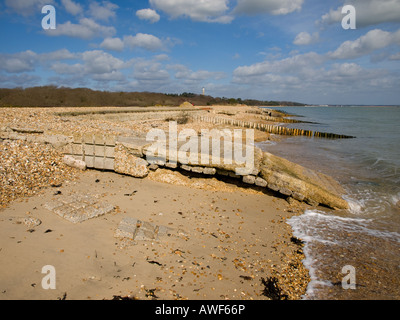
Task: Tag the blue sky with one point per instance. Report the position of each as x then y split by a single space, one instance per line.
291 50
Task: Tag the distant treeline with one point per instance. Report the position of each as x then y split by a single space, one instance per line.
52 96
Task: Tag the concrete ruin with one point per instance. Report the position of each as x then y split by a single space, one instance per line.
135 156
131 156
78 208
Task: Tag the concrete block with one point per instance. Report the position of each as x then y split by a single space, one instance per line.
298 196
171 165
99 163
79 208
89 161
89 149
99 151
273 187
70 161
260 182
99 139
223 172
197 170
249 179
285 191
76 148
88 138
210 171
109 152
134 229
109 164
186 168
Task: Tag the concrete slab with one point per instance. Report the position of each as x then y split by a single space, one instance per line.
137 230
79 208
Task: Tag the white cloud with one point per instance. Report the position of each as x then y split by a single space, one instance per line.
298 64
140 40
64 68
345 70
72 7
333 16
150 71
110 76
103 11
100 62
161 57
311 78
62 54
18 62
368 12
189 76
374 40
114 44
96 65
148 14
184 73
86 29
274 7
395 56
204 11
28 60
145 41
19 80
304 38
27 7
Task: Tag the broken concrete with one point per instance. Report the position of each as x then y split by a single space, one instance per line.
129 164
72 162
132 156
79 208
260 182
268 171
29 222
137 230
294 180
249 179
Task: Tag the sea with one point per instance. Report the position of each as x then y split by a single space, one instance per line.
350 254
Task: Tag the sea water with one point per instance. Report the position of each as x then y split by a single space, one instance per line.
367 236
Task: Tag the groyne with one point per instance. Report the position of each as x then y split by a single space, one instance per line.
274 129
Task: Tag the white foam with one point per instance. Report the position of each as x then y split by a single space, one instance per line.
266 143
316 226
355 206
301 229
395 199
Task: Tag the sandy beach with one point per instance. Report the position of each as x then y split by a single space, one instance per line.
231 240
226 241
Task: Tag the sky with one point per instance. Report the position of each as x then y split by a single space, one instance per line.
285 50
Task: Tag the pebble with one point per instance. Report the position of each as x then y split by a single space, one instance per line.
26 168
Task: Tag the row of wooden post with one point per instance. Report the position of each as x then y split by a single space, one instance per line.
270 128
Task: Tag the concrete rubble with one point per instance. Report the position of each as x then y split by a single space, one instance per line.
78 208
137 230
136 157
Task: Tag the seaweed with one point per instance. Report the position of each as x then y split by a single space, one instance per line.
272 289
297 241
